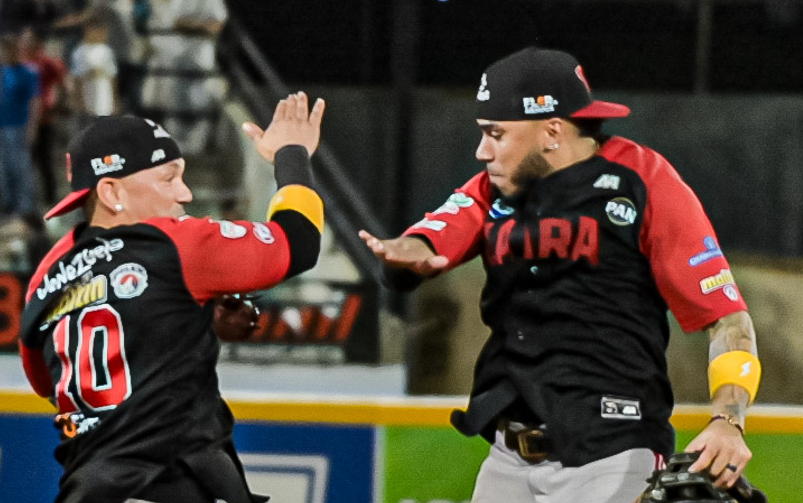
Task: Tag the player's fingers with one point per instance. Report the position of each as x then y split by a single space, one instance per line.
252 130
438 262
316 115
281 110
703 461
375 244
292 106
302 107
365 235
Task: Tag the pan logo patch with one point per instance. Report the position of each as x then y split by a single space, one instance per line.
621 211
129 280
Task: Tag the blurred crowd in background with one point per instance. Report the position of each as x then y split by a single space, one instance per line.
63 61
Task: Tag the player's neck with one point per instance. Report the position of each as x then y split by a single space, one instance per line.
571 152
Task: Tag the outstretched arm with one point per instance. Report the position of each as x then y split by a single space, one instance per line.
406 252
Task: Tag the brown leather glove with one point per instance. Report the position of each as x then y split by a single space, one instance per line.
235 317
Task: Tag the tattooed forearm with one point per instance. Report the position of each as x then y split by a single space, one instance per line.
733 332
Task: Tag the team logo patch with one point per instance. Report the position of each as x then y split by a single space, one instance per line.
711 251
539 105
500 210
433 225
107 164
621 211
231 230
620 408
263 233
723 281
454 203
129 280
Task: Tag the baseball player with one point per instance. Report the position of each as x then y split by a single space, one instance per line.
586 240
117 328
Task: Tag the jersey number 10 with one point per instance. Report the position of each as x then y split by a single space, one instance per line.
99 368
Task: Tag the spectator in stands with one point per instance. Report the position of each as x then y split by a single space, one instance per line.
181 84
19 112
118 17
94 70
52 72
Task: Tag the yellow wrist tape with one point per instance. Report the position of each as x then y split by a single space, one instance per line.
301 199
741 368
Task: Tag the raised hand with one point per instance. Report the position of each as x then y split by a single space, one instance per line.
293 124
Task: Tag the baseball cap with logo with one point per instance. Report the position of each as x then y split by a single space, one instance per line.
535 84
112 146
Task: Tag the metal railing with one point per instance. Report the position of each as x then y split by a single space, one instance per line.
259 87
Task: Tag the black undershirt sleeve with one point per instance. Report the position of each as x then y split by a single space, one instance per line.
292 166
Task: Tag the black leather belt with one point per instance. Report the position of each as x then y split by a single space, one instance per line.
528 441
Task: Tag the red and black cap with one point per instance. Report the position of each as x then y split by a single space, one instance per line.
112 146
535 84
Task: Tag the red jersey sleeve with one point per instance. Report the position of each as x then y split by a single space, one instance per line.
220 256
455 229
677 237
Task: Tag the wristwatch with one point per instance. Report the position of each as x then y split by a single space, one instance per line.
732 420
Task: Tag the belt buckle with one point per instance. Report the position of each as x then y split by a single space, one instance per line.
529 443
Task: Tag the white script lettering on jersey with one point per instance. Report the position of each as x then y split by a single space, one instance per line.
81 264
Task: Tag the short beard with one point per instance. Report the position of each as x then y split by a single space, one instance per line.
532 166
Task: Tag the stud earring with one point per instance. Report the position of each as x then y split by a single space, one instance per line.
118 207
554 146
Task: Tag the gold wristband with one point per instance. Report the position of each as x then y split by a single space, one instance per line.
741 368
301 199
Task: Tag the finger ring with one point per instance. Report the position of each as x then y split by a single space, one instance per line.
731 467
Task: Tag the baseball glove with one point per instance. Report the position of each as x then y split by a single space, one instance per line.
674 484
235 317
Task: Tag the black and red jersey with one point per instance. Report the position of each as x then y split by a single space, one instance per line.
581 267
117 332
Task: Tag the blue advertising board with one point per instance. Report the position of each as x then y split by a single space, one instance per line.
292 463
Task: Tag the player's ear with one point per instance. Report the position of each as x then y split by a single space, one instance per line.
555 127
109 193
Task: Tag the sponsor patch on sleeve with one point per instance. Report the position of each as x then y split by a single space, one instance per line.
454 203
263 233
231 230
723 281
712 250
433 225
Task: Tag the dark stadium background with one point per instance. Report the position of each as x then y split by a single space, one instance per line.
752 45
